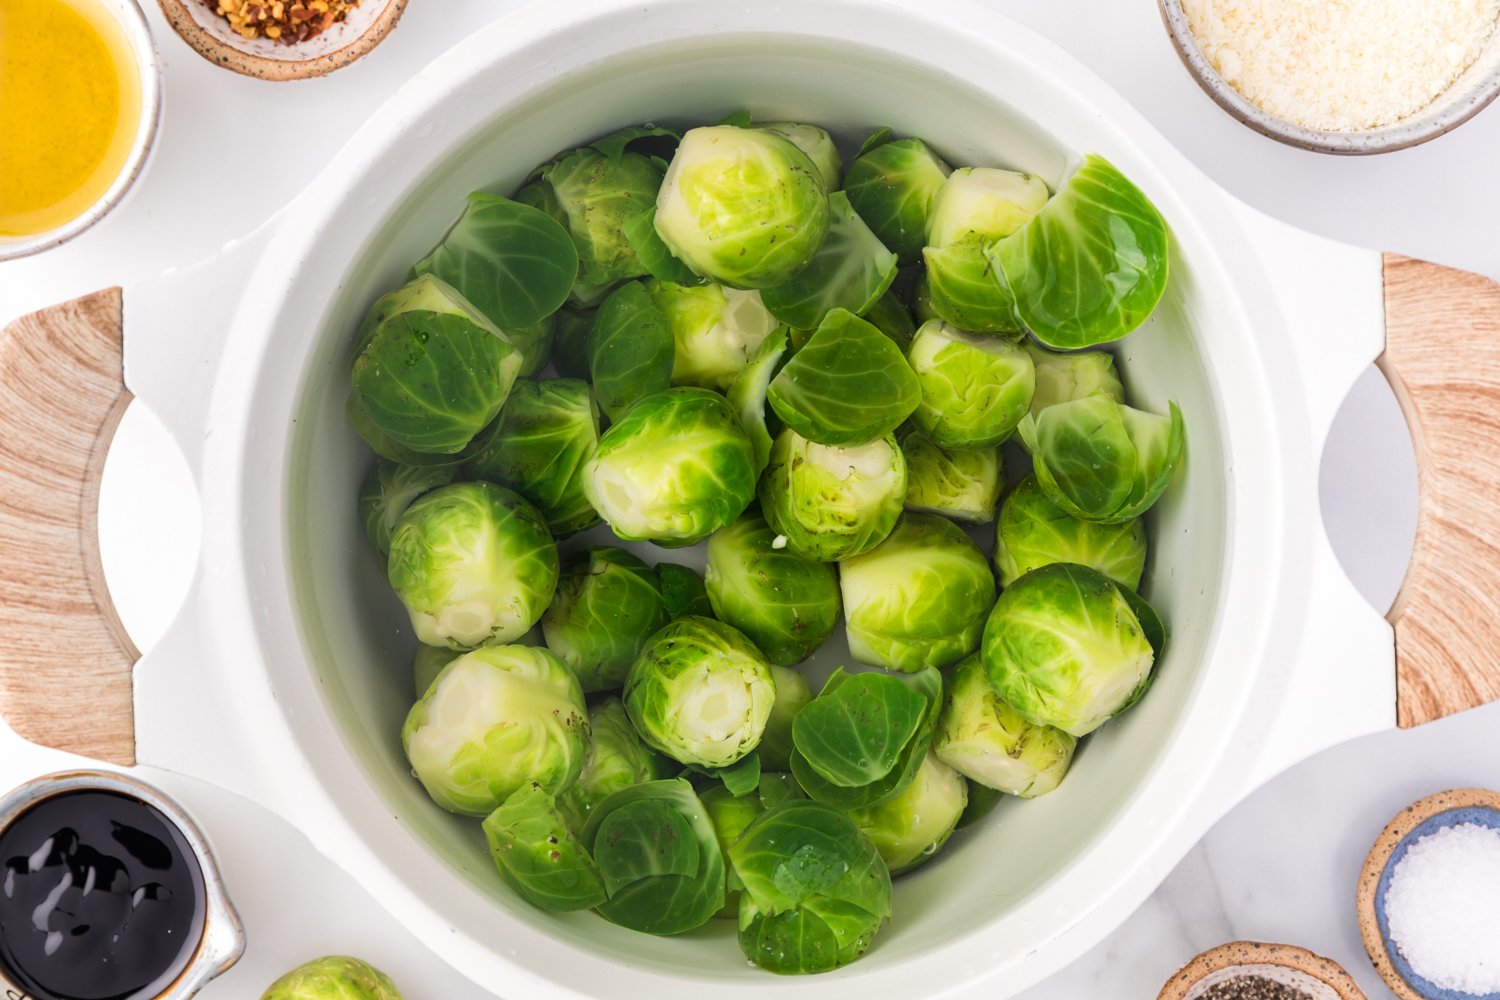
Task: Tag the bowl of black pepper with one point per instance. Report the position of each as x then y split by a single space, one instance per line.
1251 970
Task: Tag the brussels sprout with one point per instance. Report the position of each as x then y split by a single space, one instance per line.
1066 647
741 206
597 195
892 187
608 604
630 350
676 468
816 143
1036 532
833 503
389 489
1061 378
383 445
747 394
431 371
1102 461
913 825
428 662
975 389
785 603
984 739
815 891
700 692
962 483
535 344
473 563
851 270
616 759
919 598
573 343
1092 265
512 260
539 855
336 977
730 814
538 445
715 330
848 385
659 856
494 720
792 693
683 591
890 316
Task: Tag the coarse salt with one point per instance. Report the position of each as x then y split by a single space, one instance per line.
1341 65
1443 908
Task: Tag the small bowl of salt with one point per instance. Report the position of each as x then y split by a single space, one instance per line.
1352 78
1429 898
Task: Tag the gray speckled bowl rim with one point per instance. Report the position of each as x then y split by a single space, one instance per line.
1480 815
1470 94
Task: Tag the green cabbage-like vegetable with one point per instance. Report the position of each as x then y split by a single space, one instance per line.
816 143
616 759
747 394
608 603
700 692
833 503
538 853
815 891
538 446
1035 532
988 742
851 270
742 206
792 693
785 603
715 330
1061 378
674 469
389 489
892 186
597 195
848 385
534 343
975 389
1066 647
890 316
428 662
912 826
683 591
1102 461
919 598
1092 264
493 721
630 349
334 977
961 483
473 563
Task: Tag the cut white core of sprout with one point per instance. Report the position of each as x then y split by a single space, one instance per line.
986 200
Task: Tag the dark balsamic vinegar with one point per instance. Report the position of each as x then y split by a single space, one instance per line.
101 898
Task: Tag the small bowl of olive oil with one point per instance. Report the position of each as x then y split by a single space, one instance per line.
80 101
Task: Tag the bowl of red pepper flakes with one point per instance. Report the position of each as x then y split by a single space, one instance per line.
283 39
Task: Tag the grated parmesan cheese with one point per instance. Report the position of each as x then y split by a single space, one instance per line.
1341 65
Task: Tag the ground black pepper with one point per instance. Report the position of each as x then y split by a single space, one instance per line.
1253 988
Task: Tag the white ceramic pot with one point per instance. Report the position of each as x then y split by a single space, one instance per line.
284 676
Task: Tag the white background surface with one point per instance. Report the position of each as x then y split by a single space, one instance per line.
1281 867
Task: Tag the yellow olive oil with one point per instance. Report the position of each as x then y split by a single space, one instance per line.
70 106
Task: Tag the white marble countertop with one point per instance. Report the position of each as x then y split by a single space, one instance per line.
1281 867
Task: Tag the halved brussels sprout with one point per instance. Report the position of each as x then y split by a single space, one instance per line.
988 742
833 503
913 825
961 483
715 330
816 143
389 489
792 693
919 598
616 758
747 394
608 604
742 206
892 186
700 692
683 591
538 446
851 270
785 603
1102 461
473 563
428 662
539 854
1092 264
494 720
630 349
676 468
431 371
975 389
848 385
597 196
1061 378
334 977
1036 532
1065 647
815 891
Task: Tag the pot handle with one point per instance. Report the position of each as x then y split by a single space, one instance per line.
1442 358
66 662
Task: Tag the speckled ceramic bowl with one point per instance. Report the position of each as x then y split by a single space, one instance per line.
208 32
1320 978
1468 95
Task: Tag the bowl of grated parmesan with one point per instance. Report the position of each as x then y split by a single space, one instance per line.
1342 76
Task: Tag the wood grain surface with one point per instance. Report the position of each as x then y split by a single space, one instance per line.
1442 358
65 660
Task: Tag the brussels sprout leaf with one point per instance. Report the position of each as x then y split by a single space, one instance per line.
851 270
615 144
853 734
640 233
539 856
632 349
